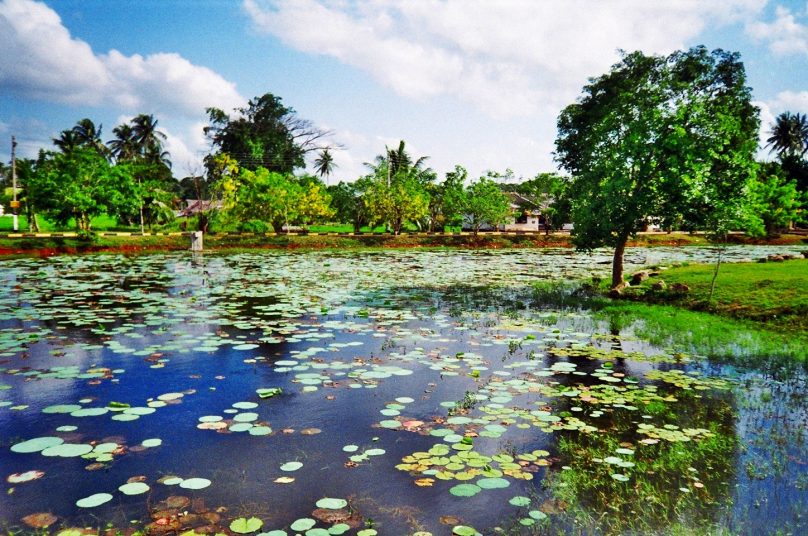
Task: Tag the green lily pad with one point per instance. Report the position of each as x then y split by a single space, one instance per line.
151 443
303 524
37 444
94 500
195 483
61 408
243 525
331 504
134 488
68 450
520 500
291 466
493 483
465 490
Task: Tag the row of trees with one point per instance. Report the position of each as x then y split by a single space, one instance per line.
129 177
665 140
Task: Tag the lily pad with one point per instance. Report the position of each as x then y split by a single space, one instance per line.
134 488
493 483
195 483
94 500
68 450
37 444
291 466
244 525
465 490
332 504
303 524
520 500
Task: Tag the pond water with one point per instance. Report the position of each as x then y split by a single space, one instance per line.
394 392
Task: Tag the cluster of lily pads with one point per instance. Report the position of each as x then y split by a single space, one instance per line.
526 378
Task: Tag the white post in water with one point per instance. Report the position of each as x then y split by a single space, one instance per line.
196 241
14 203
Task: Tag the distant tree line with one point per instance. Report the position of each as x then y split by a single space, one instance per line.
665 141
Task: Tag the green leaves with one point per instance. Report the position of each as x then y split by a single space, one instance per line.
243 525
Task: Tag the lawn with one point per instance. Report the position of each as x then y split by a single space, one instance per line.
773 293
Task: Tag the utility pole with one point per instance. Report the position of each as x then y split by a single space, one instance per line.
14 203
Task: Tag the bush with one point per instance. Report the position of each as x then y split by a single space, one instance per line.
254 226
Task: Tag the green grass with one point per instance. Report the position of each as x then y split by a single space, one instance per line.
771 293
99 223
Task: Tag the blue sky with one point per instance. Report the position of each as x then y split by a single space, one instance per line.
470 82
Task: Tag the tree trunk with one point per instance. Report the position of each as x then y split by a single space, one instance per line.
617 263
715 275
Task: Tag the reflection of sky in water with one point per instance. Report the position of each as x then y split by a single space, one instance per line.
176 323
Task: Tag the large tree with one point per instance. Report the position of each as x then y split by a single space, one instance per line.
347 200
265 134
775 202
669 138
486 204
138 149
81 184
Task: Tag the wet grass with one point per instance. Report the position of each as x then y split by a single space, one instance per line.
666 319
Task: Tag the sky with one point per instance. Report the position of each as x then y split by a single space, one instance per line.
477 83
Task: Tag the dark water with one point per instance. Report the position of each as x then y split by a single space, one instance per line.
458 333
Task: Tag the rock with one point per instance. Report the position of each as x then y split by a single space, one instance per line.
615 293
638 278
775 258
762 259
679 288
805 254
787 256
659 285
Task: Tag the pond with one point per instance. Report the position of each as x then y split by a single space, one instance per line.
390 392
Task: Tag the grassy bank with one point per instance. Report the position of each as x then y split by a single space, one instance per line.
759 311
774 293
44 246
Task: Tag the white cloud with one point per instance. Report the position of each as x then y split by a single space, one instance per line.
784 35
41 59
506 58
792 101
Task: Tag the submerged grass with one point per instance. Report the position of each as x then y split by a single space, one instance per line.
771 332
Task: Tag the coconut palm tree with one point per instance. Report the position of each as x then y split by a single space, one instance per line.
149 140
324 164
123 146
67 141
789 135
88 135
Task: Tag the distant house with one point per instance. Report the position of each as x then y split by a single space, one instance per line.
527 216
195 206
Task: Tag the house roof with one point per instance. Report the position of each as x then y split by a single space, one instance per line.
195 206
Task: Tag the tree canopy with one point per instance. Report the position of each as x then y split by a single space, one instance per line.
666 138
265 134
